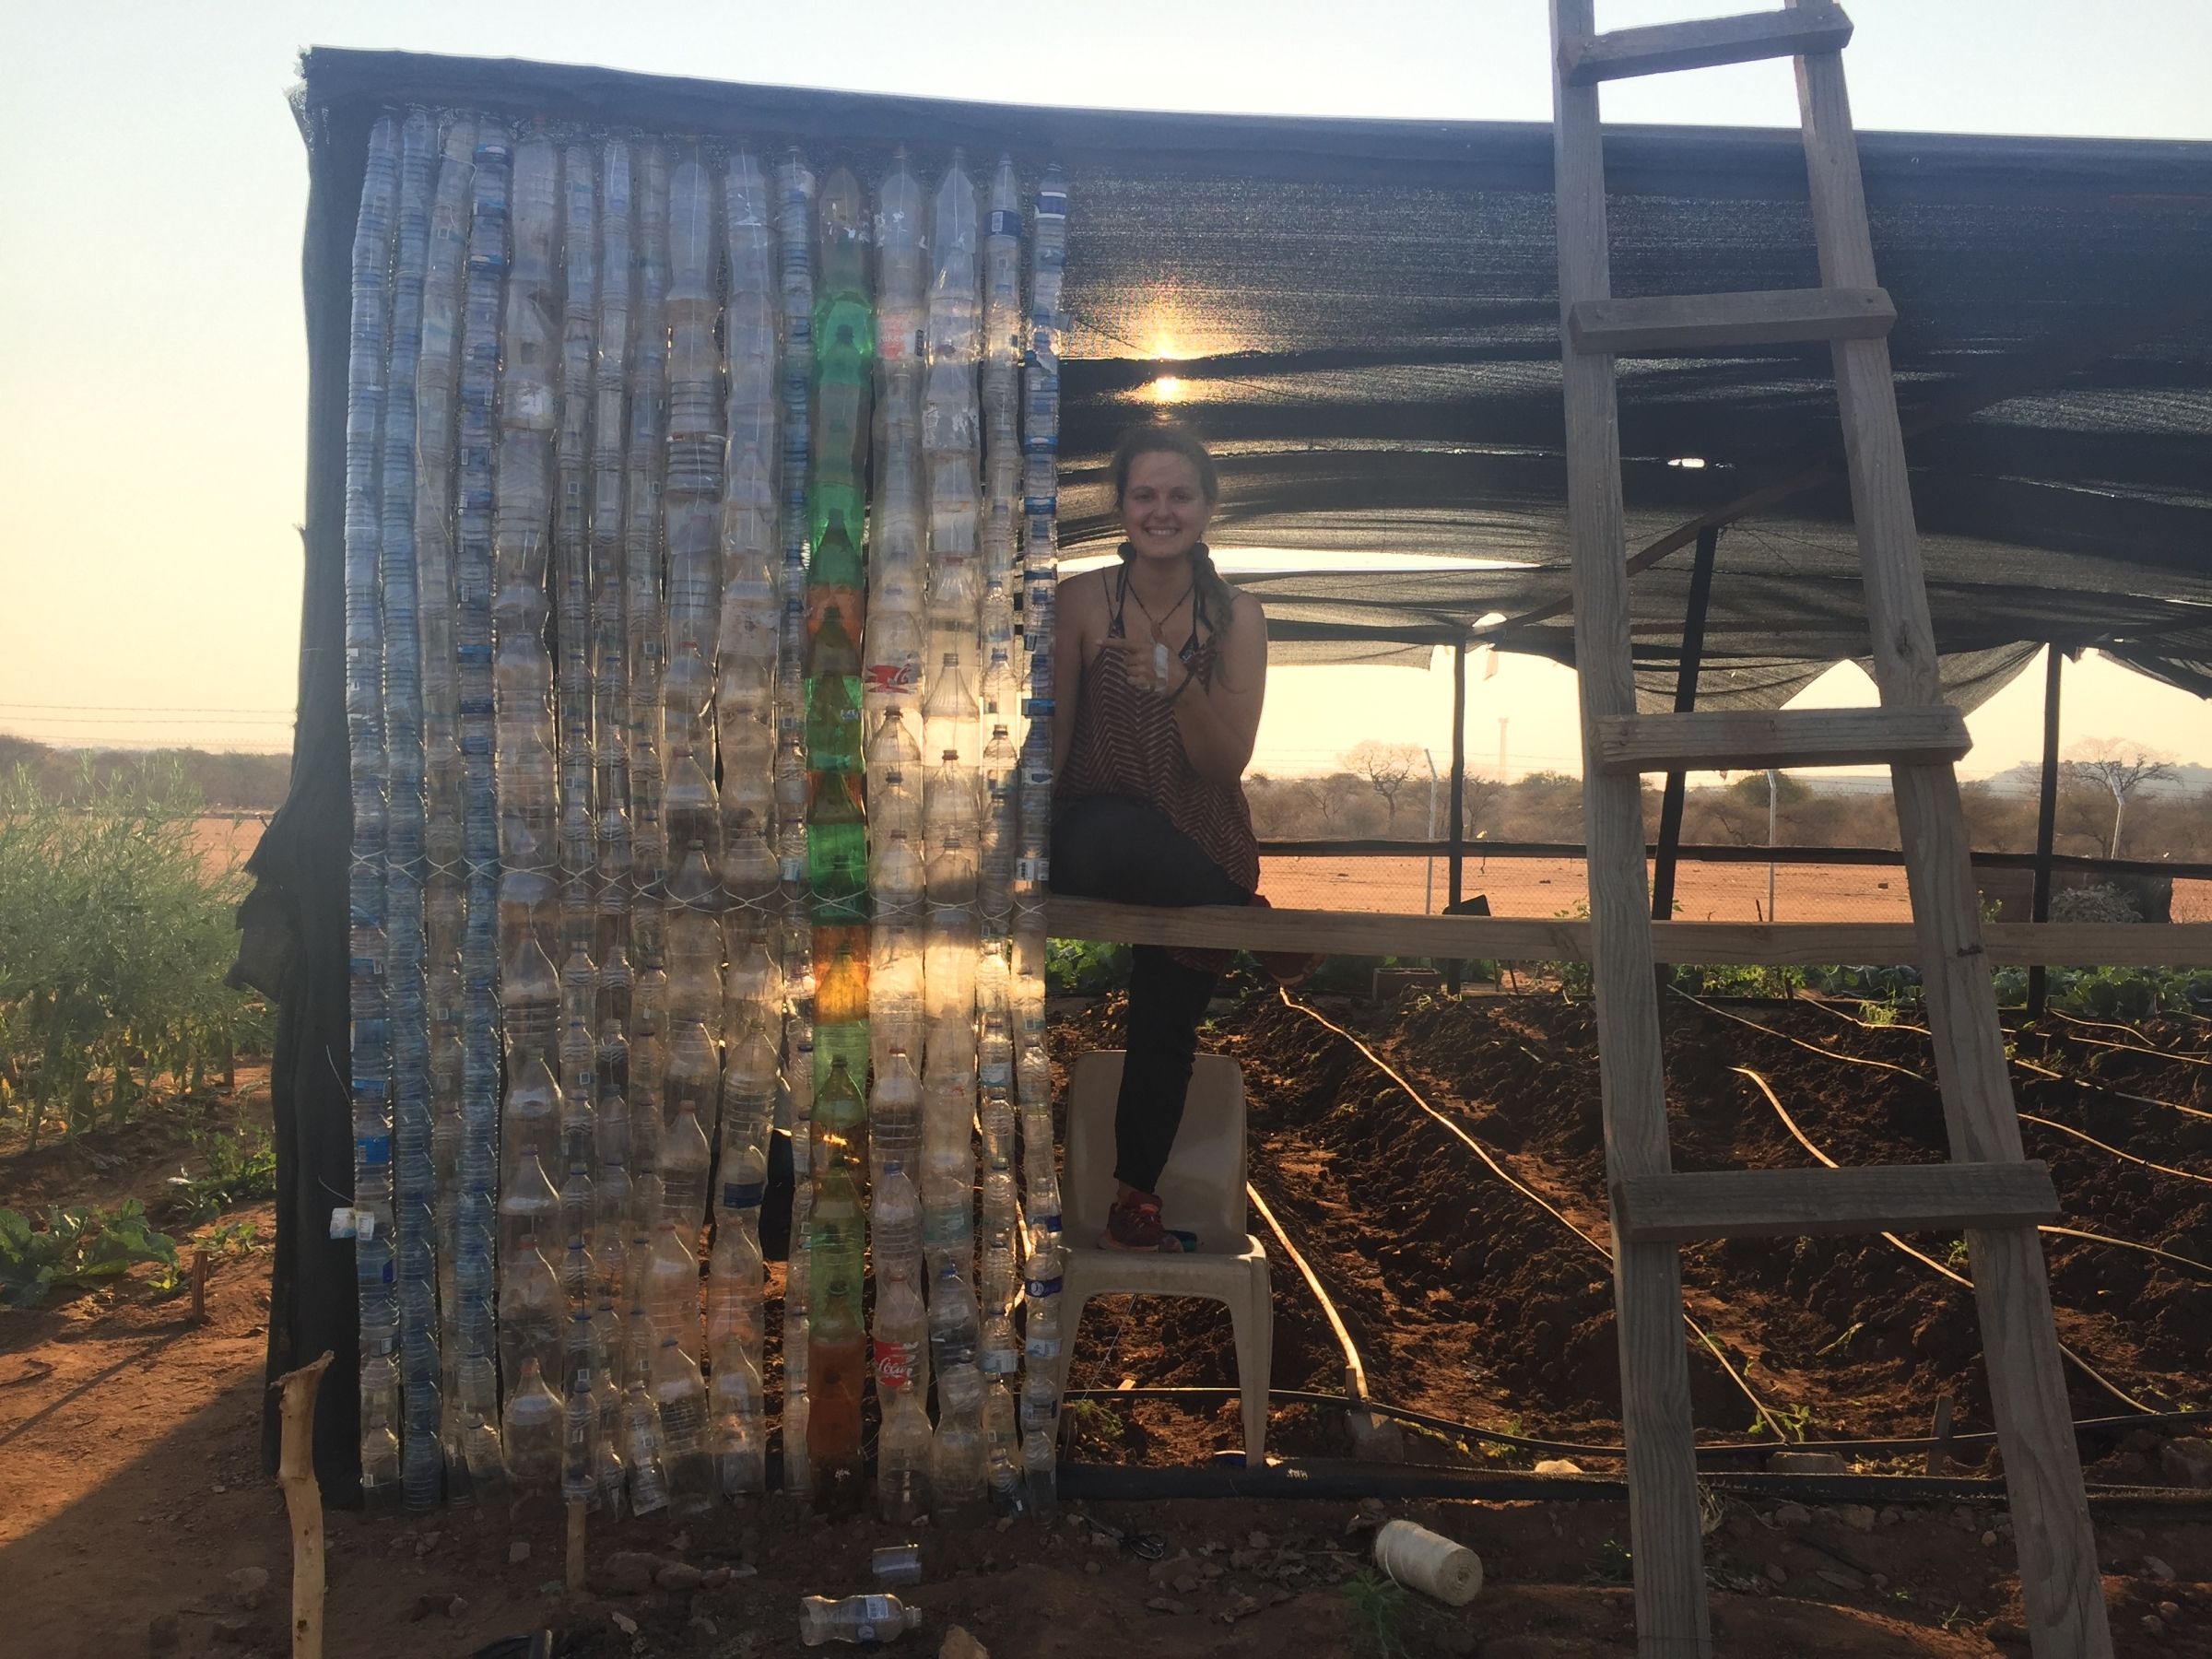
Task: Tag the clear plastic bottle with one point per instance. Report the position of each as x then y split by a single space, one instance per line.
685 1153
530 1430
737 1423
642 1448
949 722
531 1308
958 1468
1040 1430
672 1287
1001 1448
902 1452
857 1620
379 1437
1000 834
901 1333
955 1331
895 1125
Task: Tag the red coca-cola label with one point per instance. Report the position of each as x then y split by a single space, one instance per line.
893 1368
893 678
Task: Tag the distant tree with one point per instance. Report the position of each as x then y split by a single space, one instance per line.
2120 766
1387 767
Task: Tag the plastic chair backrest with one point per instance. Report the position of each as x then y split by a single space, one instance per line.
1203 1188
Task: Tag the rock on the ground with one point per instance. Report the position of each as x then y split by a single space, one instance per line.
1857 1516
1841 1578
1163 1603
2187 1458
679 1576
233 1630
457 1606
1558 1465
2156 1567
625 1573
624 1623
518 1552
714 1578
1791 1514
250 1587
958 1644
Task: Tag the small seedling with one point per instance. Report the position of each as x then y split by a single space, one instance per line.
1376 1606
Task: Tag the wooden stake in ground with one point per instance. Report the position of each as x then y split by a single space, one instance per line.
302 1501
199 1287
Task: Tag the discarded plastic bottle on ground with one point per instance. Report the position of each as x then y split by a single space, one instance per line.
857 1620
903 1449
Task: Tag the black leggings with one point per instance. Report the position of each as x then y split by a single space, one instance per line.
1111 847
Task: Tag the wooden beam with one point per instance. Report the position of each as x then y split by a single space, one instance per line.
1785 1204
1726 322
1754 739
1552 940
1662 48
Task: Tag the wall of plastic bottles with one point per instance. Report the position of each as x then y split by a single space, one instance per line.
692 498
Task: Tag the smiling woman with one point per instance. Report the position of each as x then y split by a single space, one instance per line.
1169 667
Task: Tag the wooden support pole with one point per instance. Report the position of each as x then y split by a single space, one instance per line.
1686 701
2046 819
1665 1542
2060 1583
574 1577
199 1285
1939 1455
302 1501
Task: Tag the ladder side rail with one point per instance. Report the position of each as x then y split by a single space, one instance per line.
1672 1618
2062 1586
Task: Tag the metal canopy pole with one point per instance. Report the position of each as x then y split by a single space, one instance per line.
2046 819
1458 859
1686 700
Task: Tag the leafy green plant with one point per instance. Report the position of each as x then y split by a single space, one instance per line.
1095 1417
1376 1606
239 1167
1083 966
114 941
76 1248
1797 1422
1612 1564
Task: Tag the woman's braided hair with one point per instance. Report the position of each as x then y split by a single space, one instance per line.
1165 438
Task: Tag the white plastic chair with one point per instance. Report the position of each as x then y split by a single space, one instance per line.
1201 1191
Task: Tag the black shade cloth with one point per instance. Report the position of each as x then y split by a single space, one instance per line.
1362 317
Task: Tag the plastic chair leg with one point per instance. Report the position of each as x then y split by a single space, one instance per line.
1252 1317
1071 1322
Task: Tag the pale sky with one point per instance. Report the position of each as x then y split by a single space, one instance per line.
153 184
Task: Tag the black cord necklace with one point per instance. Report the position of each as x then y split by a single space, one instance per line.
1158 623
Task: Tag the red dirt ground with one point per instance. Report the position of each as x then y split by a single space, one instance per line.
130 1487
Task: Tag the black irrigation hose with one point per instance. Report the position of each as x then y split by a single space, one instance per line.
2086 1084
1925 1260
1341 1479
1534 1197
1882 1447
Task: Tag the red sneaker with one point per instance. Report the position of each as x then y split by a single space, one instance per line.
1134 1224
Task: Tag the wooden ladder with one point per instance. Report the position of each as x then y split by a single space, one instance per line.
1990 1191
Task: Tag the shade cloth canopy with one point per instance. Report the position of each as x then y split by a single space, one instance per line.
1362 317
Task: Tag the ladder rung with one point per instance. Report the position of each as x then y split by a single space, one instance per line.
1771 317
1699 45
1751 739
1787 1204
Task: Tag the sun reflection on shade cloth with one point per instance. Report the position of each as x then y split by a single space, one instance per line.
1166 389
